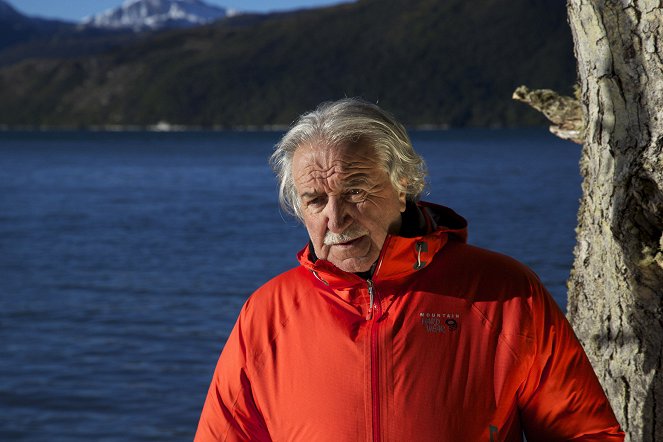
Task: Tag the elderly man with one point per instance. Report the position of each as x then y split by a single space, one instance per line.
393 328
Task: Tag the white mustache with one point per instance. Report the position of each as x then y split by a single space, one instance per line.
350 234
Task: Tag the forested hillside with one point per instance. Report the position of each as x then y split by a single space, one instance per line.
442 63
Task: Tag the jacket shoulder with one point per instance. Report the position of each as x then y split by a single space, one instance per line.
268 310
282 288
484 272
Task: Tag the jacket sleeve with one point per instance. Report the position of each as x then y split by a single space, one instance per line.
230 412
561 398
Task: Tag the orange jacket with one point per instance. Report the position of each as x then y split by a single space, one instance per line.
447 342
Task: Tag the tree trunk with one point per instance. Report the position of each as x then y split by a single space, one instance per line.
616 285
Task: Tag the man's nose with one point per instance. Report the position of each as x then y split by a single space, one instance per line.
338 218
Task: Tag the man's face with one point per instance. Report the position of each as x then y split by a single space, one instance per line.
347 203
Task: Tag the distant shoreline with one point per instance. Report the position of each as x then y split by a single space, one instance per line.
167 127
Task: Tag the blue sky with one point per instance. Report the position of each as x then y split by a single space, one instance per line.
74 10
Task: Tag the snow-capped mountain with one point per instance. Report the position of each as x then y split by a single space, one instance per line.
142 15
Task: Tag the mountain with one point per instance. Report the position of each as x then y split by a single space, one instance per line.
453 63
24 37
16 27
7 11
141 15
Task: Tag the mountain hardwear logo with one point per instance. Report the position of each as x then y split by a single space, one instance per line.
440 322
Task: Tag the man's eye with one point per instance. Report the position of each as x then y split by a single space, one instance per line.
315 202
356 194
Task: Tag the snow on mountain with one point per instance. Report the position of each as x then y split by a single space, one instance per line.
142 15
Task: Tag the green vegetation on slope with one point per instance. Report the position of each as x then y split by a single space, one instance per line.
449 62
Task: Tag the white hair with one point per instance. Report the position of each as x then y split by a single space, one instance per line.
349 122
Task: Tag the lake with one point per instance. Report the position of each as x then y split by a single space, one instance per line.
125 258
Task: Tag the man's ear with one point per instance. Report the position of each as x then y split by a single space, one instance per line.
402 195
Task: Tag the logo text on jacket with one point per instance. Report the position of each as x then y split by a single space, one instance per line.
439 322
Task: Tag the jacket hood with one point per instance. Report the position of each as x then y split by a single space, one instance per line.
400 256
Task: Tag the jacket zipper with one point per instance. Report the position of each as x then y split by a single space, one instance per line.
376 305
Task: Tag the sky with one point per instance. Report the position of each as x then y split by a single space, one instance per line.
74 10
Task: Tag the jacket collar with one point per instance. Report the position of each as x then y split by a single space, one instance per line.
400 256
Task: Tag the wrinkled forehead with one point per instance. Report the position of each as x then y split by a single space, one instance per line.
338 158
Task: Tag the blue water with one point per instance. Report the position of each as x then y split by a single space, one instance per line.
125 258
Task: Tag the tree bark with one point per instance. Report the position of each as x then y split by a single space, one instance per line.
616 285
565 113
